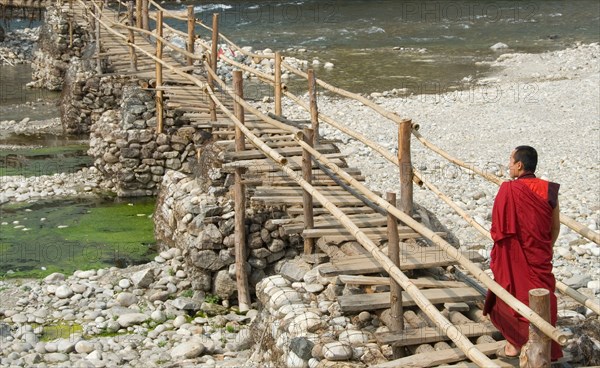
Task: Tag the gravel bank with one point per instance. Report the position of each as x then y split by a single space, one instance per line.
18 46
549 101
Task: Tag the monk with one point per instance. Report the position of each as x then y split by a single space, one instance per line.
525 225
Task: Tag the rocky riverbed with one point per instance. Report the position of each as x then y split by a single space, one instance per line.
147 316
18 46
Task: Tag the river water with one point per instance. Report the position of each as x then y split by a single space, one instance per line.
441 41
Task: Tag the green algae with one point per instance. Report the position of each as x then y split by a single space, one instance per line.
61 330
42 237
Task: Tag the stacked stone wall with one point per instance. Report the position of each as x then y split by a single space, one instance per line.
56 47
200 223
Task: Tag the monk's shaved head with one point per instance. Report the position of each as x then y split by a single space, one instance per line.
528 156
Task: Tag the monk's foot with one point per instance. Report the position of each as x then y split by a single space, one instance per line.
510 351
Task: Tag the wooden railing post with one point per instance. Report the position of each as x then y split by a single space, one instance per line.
314 111
536 353
98 43
131 35
145 15
159 72
191 25
405 164
240 204
138 13
396 310
307 199
213 61
278 83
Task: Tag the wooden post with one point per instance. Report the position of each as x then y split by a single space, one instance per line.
278 83
405 163
138 13
307 199
314 111
191 24
145 15
536 353
159 72
396 311
240 204
131 35
98 43
213 62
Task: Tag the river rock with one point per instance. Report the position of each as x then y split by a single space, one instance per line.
337 351
63 292
143 279
53 278
302 347
130 319
187 350
499 46
577 281
56 358
126 299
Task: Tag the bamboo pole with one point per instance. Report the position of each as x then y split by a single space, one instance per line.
405 166
159 73
307 200
213 61
454 253
131 35
314 111
396 310
138 13
191 24
536 353
278 83
98 42
145 20
240 204
247 106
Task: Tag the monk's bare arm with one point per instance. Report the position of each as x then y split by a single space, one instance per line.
555 223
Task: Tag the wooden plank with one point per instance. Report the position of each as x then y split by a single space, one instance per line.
366 302
421 283
297 225
286 151
320 210
338 200
439 357
292 161
328 231
411 258
378 237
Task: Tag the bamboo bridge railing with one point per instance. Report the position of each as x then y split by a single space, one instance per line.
145 9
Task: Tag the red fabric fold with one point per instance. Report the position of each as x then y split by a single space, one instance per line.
521 258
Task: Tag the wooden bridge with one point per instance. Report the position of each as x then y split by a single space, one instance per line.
286 163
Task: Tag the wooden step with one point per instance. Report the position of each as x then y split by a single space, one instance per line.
411 257
426 335
439 357
421 283
286 152
366 302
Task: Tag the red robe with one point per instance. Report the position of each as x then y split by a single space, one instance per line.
521 258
